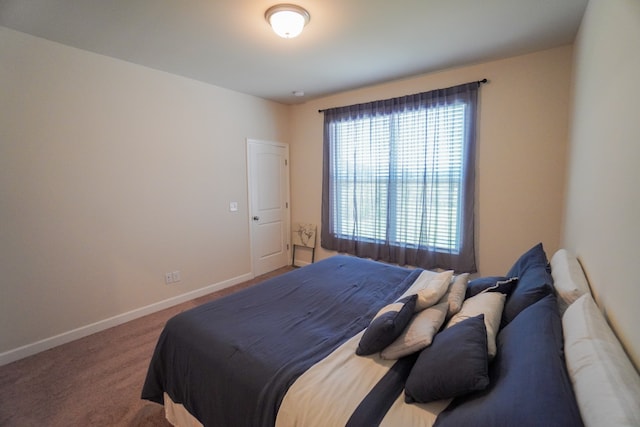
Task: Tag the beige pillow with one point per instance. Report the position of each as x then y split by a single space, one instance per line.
434 290
606 385
568 279
490 304
421 282
455 295
419 332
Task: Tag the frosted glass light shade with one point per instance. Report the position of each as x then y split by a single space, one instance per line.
287 20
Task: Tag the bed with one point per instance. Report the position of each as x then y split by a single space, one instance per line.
347 341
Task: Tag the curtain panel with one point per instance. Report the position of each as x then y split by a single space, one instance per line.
399 179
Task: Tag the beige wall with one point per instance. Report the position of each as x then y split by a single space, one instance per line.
112 174
603 204
522 141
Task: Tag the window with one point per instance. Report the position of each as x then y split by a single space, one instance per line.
398 179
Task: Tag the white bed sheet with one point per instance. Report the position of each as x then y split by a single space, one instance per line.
330 391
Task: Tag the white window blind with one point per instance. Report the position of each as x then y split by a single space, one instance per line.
397 178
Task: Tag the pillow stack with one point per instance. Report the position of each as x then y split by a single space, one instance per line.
409 324
529 367
457 362
455 325
467 341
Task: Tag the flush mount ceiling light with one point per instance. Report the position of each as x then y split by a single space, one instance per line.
287 20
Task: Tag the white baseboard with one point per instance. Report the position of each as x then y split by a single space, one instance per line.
83 331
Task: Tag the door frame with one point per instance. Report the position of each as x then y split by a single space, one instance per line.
250 191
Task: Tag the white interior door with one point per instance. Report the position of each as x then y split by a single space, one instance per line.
268 177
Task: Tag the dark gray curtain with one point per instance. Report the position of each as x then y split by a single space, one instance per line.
399 179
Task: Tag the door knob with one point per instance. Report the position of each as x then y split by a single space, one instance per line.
256 218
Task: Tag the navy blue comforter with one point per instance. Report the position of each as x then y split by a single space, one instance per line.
231 361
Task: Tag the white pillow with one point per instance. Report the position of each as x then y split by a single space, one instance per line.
606 385
455 295
568 279
435 289
421 282
490 304
419 332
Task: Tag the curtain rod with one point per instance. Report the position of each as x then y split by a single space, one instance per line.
479 81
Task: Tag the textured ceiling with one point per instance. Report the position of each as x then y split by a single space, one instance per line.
347 44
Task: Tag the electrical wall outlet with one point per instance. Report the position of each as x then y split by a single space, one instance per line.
172 277
175 276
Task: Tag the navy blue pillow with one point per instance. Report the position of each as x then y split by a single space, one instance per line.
504 285
386 327
534 256
534 282
529 381
456 363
